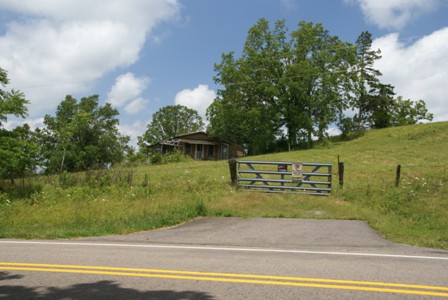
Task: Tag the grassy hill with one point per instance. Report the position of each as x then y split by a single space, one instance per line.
128 199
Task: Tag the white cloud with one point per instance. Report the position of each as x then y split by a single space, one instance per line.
394 14
33 123
138 12
133 130
199 98
61 47
127 87
290 4
418 71
136 106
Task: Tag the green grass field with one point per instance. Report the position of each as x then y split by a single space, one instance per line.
129 199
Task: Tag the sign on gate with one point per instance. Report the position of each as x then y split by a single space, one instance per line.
297 171
282 168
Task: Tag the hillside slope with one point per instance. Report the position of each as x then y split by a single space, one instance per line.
416 212
128 199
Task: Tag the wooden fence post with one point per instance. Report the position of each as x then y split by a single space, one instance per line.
397 176
341 172
232 167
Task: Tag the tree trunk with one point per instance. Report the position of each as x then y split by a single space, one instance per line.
292 138
62 162
310 140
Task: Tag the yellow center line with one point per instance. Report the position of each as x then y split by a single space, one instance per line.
384 287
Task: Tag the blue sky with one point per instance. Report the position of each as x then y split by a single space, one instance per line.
141 55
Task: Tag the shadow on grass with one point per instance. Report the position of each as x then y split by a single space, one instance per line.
97 290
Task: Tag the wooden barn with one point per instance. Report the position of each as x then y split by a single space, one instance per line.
200 146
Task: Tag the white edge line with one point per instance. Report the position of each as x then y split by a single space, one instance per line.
225 249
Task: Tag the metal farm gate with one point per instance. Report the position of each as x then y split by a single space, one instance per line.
291 177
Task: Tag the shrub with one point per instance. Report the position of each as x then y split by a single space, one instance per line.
172 157
156 158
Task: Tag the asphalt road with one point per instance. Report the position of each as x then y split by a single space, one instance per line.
226 258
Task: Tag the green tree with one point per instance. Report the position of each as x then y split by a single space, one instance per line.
170 121
82 135
380 106
18 150
365 79
11 102
284 87
245 112
408 112
318 80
